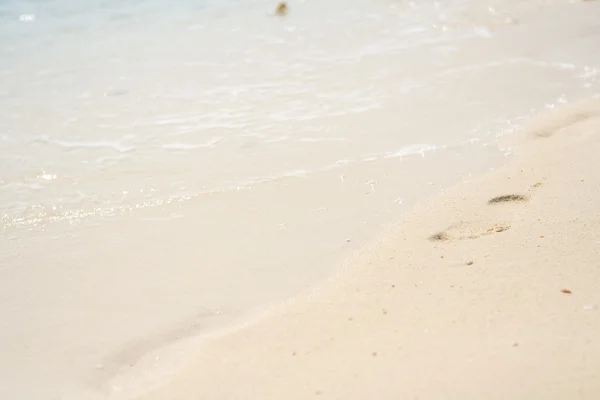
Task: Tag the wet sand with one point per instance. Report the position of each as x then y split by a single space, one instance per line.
158 221
489 290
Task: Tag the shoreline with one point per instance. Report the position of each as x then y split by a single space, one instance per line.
153 306
185 226
158 355
467 297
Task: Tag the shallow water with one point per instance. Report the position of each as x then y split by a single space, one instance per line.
122 104
168 167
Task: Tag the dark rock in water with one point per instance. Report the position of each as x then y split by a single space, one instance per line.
282 9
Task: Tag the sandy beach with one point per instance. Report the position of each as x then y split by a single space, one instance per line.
488 291
390 199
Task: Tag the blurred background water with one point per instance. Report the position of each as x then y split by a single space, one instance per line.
116 104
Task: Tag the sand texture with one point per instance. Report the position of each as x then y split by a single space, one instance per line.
489 291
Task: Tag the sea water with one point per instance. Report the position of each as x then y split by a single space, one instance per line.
166 167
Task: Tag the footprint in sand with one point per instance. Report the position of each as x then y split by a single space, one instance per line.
468 230
565 121
552 127
465 230
509 198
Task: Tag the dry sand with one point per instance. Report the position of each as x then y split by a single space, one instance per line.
463 299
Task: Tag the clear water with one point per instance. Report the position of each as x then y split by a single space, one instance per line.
117 118
117 104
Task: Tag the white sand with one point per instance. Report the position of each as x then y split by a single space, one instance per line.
410 318
105 299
